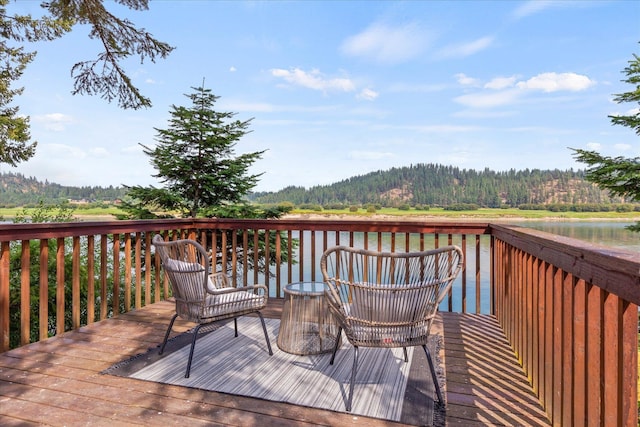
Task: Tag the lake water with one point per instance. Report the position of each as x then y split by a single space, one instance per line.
608 233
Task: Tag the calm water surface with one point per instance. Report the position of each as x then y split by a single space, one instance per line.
608 233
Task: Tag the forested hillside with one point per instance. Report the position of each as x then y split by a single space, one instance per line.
415 185
438 185
18 190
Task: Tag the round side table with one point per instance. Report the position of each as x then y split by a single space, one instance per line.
306 325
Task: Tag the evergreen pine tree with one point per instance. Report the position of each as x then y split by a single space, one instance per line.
195 160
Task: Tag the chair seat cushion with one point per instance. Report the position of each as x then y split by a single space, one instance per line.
389 336
233 302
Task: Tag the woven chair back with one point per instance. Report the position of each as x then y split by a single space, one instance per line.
186 264
389 296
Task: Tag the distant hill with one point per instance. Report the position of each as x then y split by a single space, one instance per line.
438 185
415 185
18 190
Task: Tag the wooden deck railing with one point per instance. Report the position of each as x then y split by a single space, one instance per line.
568 308
570 311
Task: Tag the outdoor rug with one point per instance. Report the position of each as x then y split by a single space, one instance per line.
242 366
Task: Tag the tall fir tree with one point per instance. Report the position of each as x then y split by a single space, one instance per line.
196 162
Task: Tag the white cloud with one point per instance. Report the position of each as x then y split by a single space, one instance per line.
313 80
232 69
594 146
465 80
505 90
368 94
465 49
554 82
501 83
387 44
55 122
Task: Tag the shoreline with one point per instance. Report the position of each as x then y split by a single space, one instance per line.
447 218
408 217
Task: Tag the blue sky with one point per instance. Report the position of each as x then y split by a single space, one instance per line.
344 88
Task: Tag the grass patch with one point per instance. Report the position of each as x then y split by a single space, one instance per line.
9 213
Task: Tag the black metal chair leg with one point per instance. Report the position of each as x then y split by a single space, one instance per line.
335 347
166 335
235 325
266 335
193 345
433 374
354 369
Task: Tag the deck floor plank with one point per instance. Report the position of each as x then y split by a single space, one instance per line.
58 381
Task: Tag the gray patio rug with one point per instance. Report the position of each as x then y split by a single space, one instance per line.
242 366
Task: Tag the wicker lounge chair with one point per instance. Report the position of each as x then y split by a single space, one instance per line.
387 299
202 297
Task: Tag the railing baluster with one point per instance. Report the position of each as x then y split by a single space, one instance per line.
300 255
278 263
75 283
4 295
580 369
127 272
138 267
245 255
568 372
478 264
148 297
313 255
43 310
267 256
91 288
116 272
25 293
104 267
463 273
60 304
594 361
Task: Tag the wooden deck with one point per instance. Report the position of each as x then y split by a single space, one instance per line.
58 381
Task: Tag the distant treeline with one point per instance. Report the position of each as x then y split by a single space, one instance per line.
442 186
18 190
419 186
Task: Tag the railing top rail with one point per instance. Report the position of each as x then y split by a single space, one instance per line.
10 232
397 226
53 230
612 269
